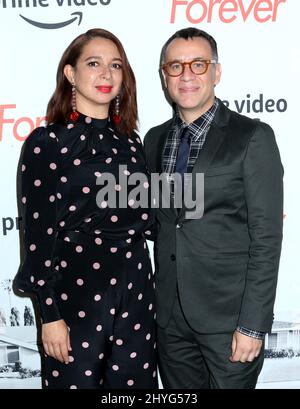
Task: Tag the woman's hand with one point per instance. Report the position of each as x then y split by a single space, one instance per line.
56 340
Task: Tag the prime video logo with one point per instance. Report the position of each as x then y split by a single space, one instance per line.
27 4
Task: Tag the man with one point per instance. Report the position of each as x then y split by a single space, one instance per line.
216 275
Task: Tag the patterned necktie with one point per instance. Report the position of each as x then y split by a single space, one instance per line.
183 152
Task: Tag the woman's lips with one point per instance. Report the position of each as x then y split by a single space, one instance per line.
104 88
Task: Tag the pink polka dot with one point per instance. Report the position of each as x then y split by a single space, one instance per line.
138 140
71 358
108 160
130 382
79 281
88 120
128 254
53 166
139 266
112 311
118 188
128 241
133 149
144 216
131 232
137 327
49 301
96 266
133 354
37 150
32 247
103 204
114 219
86 189
52 135
32 279
131 202
81 314
48 263
114 151
63 179
129 286
72 208
62 223
70 126
113 249
41 283
82 137
37 183
126 172
115 137
46 382
77 162
64 297
50 231
111 338
97 174
101 356
148 336
99 328
115 367
98 241
51 198
97 231
23 168
63 263
140 296
35 215
64 150
73 387
133 159
125 314
87 220
88 373
55 374
113 281
79 249
85 345
23 199
146 185
150 307
119 342
97 297
146 365
154 374
130 140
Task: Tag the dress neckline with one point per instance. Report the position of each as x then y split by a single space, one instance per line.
98 123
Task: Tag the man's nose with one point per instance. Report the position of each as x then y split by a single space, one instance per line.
187 72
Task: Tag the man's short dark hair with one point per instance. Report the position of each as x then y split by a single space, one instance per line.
191 32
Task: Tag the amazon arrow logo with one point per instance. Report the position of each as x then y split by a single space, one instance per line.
53 26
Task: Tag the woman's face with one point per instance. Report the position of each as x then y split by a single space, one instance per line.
97 76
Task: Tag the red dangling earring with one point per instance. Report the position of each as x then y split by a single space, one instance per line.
116 116
74 115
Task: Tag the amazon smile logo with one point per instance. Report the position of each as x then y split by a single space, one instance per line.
75 16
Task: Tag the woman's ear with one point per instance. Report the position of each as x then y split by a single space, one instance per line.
69 73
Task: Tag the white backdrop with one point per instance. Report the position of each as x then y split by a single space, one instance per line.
258 43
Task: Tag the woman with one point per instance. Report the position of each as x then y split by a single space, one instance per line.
87 260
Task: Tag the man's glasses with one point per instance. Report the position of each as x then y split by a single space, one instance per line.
197 66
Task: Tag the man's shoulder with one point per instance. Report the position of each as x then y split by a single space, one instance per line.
158 130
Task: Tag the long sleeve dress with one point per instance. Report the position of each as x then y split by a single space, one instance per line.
86 258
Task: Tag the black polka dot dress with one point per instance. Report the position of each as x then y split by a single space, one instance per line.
86 260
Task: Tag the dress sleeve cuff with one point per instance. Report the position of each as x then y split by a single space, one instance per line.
48 305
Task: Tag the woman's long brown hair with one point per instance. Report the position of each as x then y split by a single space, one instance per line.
59 106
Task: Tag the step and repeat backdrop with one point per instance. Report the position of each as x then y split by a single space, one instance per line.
258 43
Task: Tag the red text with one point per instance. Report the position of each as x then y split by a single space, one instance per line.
198 11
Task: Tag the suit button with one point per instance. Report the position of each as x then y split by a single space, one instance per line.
178 226
173 257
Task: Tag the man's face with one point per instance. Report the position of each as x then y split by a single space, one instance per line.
193 94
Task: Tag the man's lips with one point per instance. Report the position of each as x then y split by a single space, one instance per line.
189 89
104 88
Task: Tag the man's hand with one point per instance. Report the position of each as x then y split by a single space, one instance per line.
244 348
56 340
